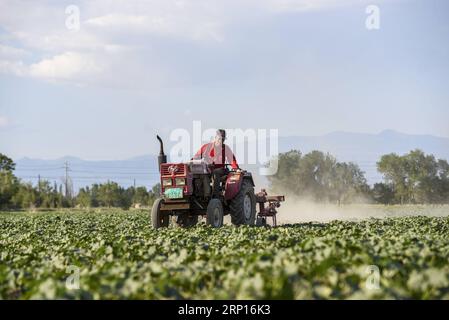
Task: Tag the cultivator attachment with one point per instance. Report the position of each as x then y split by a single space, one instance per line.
267 207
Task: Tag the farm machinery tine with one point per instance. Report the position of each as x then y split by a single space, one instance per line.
267 207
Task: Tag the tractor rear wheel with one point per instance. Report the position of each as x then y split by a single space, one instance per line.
214 213
158 218
243 206
186 221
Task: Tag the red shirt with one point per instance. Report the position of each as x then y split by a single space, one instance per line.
207 151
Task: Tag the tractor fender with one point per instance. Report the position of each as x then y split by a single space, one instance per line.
234 183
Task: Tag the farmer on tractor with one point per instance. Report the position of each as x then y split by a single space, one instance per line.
217 154
210 185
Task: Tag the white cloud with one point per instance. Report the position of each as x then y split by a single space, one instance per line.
167 24
135 39
9 52
306 5
16 68
66 66
11 60
120 21
55 41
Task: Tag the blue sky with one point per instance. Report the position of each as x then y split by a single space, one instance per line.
306 67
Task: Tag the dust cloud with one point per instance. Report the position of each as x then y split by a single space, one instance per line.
299 211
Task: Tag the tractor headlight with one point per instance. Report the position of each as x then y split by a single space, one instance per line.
166 182
180 181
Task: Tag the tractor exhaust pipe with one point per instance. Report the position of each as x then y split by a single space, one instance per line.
162 158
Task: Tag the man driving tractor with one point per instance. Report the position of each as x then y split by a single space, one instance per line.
212 153
186 190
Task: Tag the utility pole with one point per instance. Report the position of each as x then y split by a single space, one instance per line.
39 183
134 185
66 181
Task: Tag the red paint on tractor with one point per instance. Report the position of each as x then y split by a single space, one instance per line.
173 171
233 183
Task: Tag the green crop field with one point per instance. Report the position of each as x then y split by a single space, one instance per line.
117 255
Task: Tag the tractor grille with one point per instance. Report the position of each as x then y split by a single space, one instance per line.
168 169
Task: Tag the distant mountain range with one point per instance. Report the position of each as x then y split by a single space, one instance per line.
363 149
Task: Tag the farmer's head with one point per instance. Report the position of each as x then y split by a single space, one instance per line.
220 137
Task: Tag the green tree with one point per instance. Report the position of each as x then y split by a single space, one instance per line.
383 193
416 177
393 168
348 182
83 198
45 195
108 194
9 184
141 196
57 197
26 197
94 194
156 189
443 181
6 163
288 164
154 193
318 176
314 175
111 194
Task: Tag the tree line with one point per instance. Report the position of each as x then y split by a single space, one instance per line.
15 194
413 178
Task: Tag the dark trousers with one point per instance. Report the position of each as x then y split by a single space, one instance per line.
217 174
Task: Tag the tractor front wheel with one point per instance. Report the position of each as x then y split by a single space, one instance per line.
158 218
214 213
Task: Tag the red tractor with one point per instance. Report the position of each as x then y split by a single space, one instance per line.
186 194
